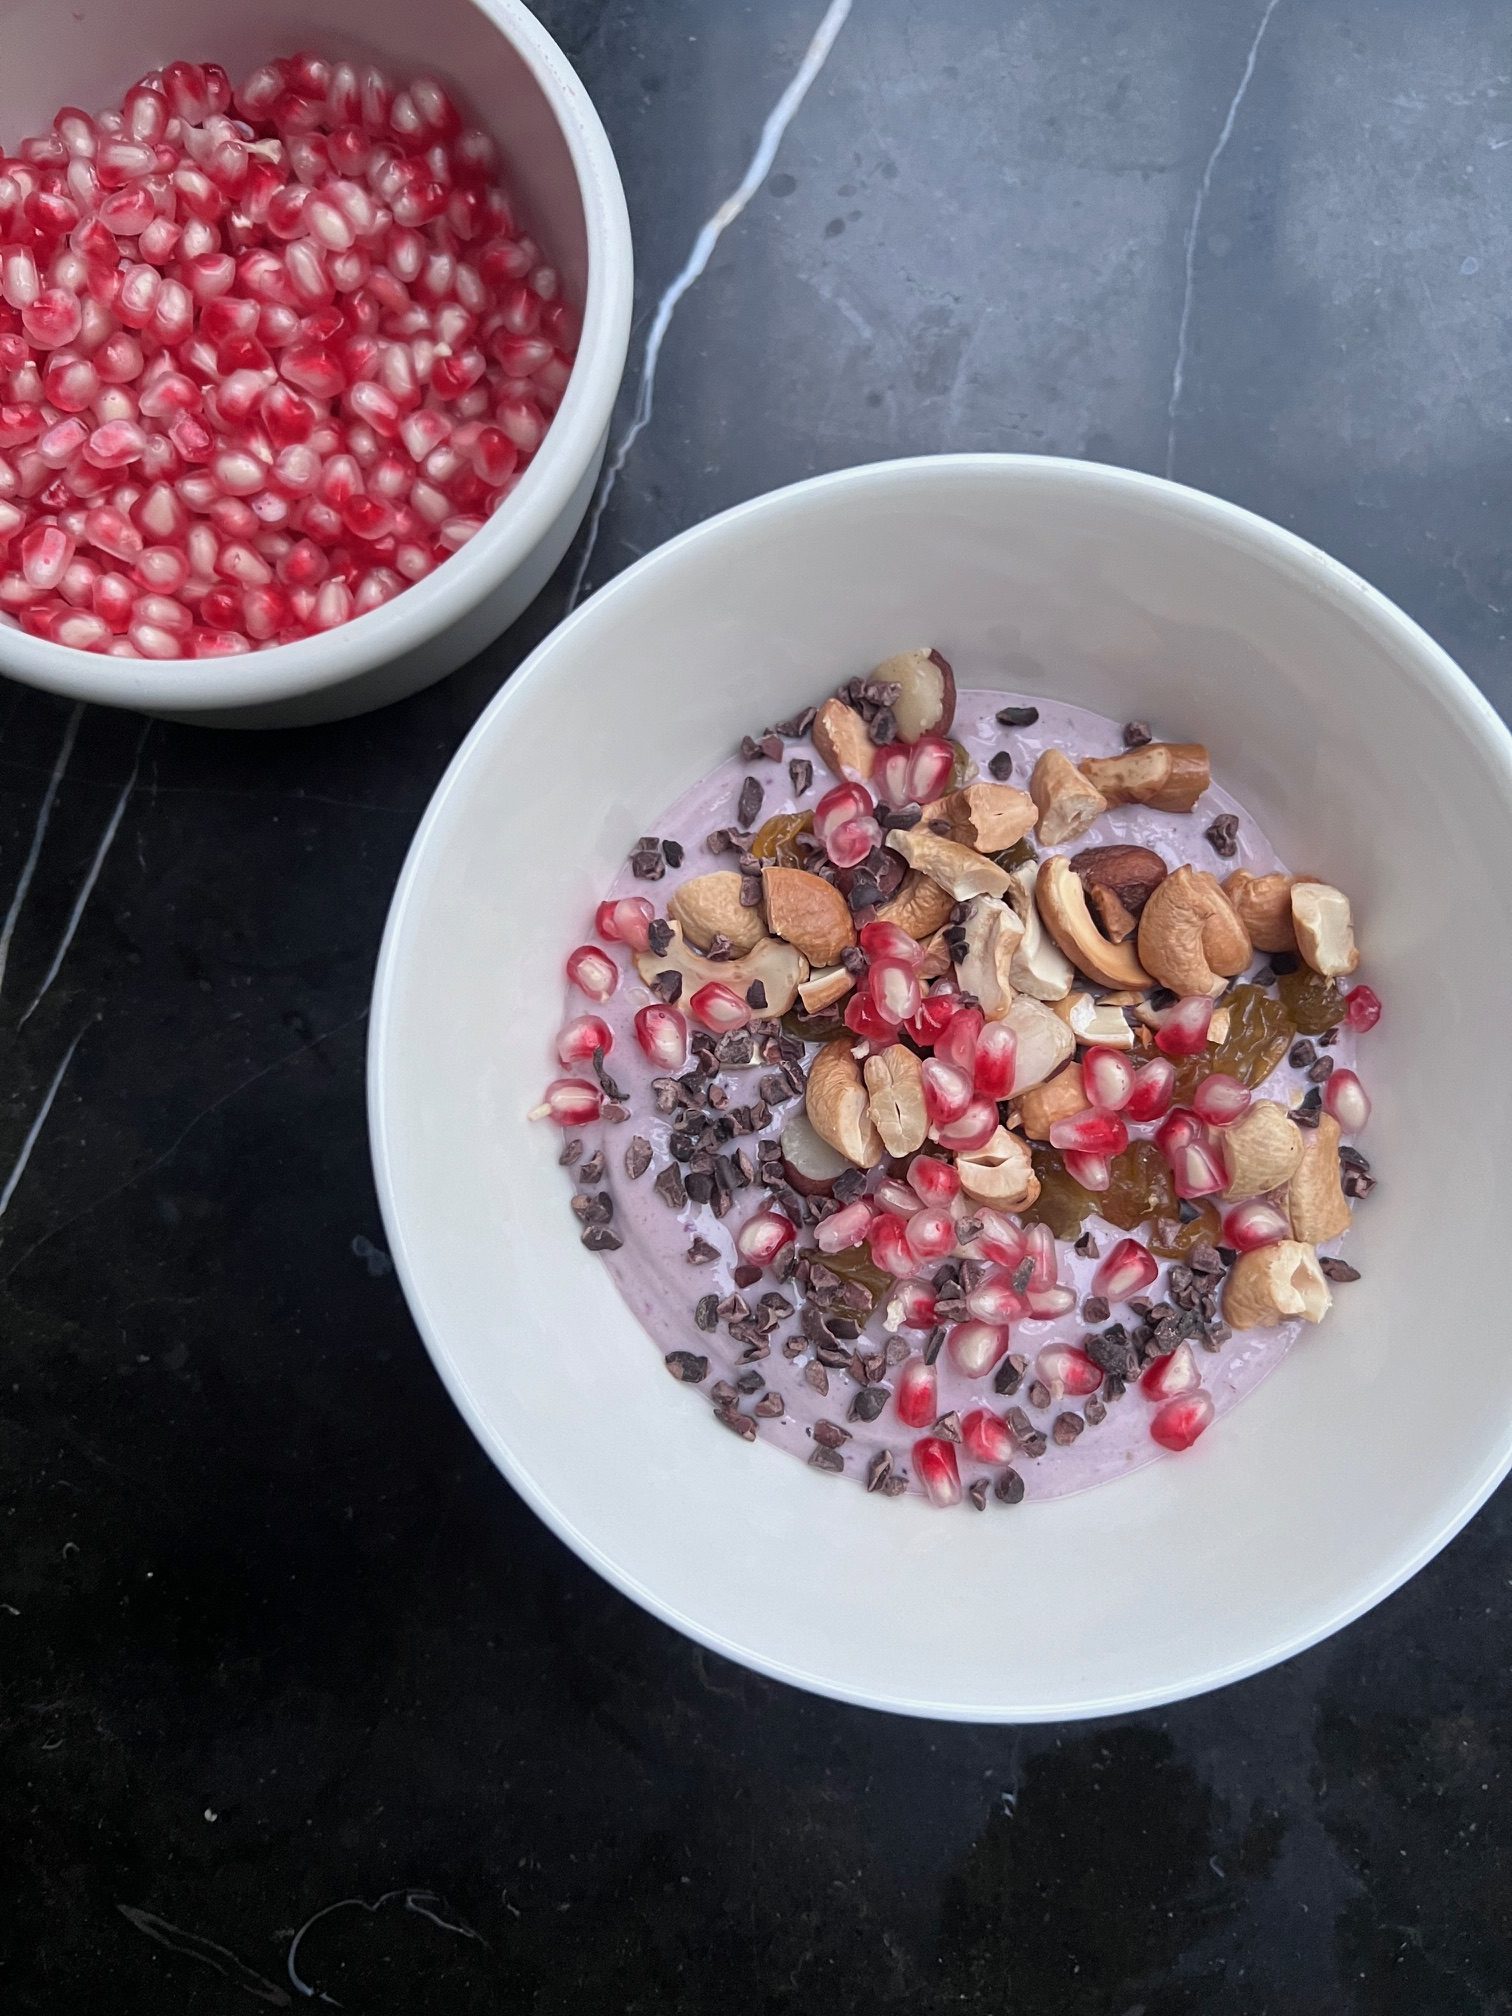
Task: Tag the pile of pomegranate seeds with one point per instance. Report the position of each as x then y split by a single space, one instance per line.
266 357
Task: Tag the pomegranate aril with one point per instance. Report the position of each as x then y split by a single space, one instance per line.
849 845
935 1014
763 1237
1127 1269
1184 1028
1220 1099
976 1347
846 1228
973 1129
912 1306
662 1033
570 1102
719 1007
45 553
931 1235
1175 1373
890 774
995 1300
929 767
1000 1239
1362 1008
916 1393
899 1198
1178 1423
1039 1245
993 1065
835 808
889 941
1346 1099
890 1250
894 989
579 1039
934 1462
1179 1127
933 1181
947 1091
986 1436
863 1018
1253 1224
1046 1303
1068 1372
1092 1172
958 1043
1197 1171
1107 1078
1090 1133
593 972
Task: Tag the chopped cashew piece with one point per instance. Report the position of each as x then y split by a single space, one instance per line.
1190 936
808 912
842 740
1057 1099
920 907
1261 1150
895 1083
1094 1021
1039 966
1063 906
1068 803
1000 1175
1315 1200
1171 776
838 1106
780 969
1263 904
824 988
993 932
709 907
1273 1283
989 817
961 870
1324 928
1043 1041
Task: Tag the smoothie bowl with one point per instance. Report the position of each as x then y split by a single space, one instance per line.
982 879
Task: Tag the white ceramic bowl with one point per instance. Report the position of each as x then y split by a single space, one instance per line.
514 81
1361 749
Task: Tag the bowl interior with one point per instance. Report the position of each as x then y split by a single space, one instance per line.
511 80
1369 759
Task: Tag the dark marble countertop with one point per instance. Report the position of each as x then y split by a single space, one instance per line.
294 1693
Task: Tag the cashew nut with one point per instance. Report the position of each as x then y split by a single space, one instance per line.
778 967
1094 1021
1263 906
1315 1199
709 907
993 933
841 738
1171 776
1324 927
921 907
1261 1150
961 870
1190 936
1273 1283
824 987
1068 802
808 912
1039 966
1063 906
895 1083
1057 1099
926 692
989 817
838 1106
1042 1040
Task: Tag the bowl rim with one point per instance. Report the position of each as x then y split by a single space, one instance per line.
428 607
1452 686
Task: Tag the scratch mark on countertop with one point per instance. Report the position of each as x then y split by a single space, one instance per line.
1226 133
710 233
107 840
207 1952
314 1043
418 1901
37 1125
29 866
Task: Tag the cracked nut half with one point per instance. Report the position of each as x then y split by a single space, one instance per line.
1057 1099
1272 1284
1190 936
1063 907
961 870
1315 1200
1261 1150
1119 881
1042 1041
989 817
709 907
843 743
1092 1021
824 988
838 1106
1324 928
1039 966
895 1084
780 968
921 907
1067 801
993 932
808 912
1262 904
1001 1174
926 692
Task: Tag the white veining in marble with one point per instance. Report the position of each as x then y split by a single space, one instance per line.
29 866
1226 133
759 167
19 1170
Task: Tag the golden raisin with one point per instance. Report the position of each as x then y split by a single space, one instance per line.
1314 1004
774 839
1062 1204
1171 1240
1259 1035
855 1264
1141 1187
